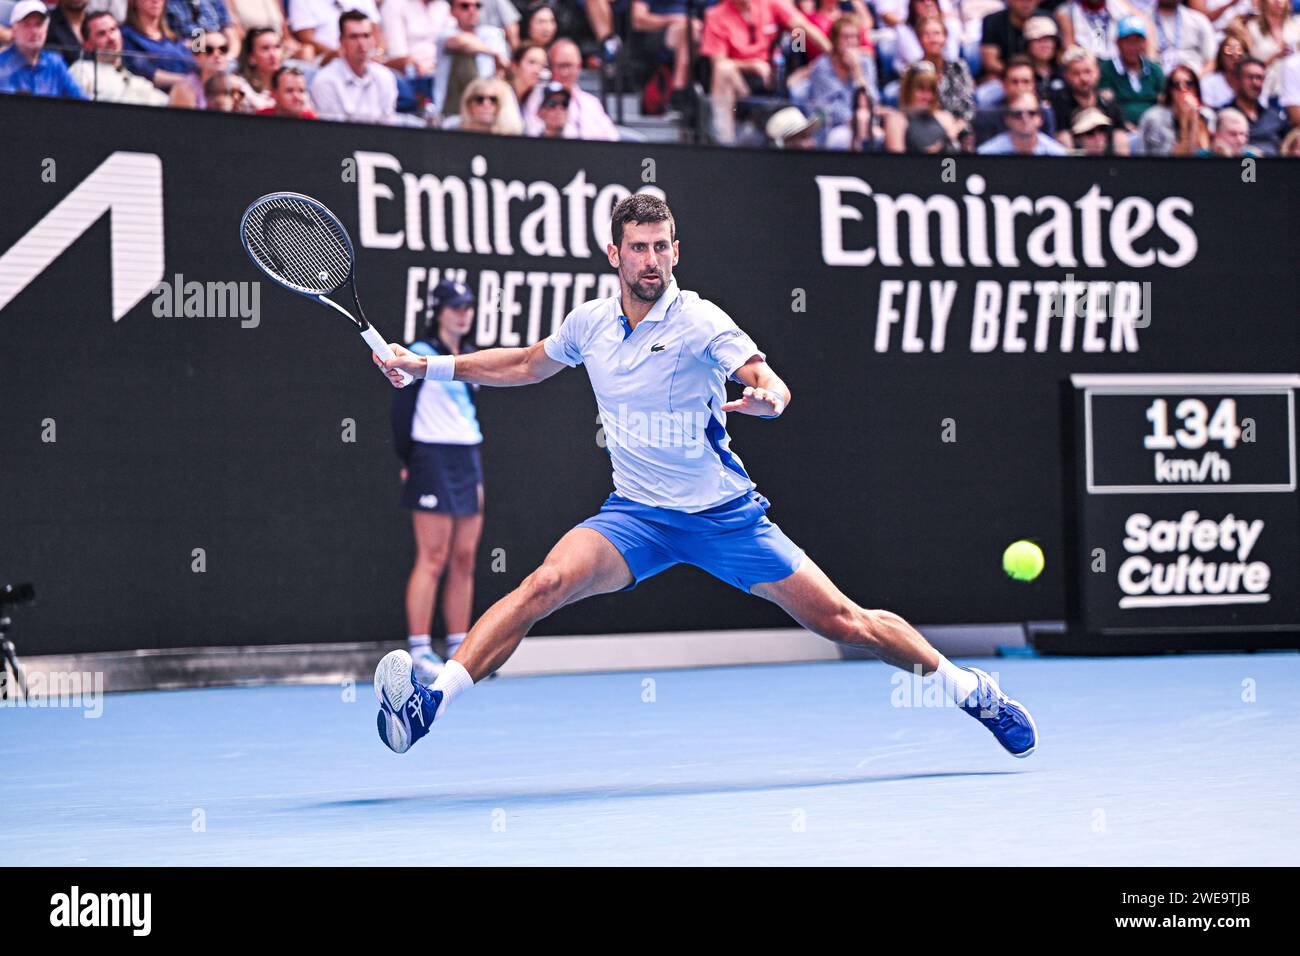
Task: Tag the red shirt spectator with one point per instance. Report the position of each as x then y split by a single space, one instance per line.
727 32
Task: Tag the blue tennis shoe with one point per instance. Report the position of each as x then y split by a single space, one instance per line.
1006 719
406 706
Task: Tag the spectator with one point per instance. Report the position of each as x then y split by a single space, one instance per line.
1232 134
1267 125
1093 25
1183 35
226 93
352 87
540 25
553 111
789 128
504 15
259 58
1043 50
738 37
1024 135
25 67
1017 78
864 136
1091 132
1271 37
911 128
151 48
1002 36
1081 78
667 20
527 65
1219 88
289 89
213 59
908 47
600 16
411 28
102 74
67 30
832 79
488 106
1175 126
263 15
1132 80
467 49
1291 144
190 19
956 87
1289 89
315 24
587 117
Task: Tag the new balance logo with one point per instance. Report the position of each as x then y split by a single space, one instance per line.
656 348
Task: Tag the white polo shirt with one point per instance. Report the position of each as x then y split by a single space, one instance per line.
660 390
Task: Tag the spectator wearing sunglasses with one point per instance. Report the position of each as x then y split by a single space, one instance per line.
102 75
554 111
488 106
213 59
353 87
468 49
1024 135
1176 126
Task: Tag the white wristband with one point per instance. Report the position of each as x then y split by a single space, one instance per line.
440 368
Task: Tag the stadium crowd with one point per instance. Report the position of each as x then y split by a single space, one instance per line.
1093 77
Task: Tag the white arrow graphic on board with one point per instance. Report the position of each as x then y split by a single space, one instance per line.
127 186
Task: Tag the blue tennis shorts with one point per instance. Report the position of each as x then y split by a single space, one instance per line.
735 541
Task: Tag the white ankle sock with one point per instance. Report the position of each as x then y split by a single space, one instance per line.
453 642
958 682
453 681
419 644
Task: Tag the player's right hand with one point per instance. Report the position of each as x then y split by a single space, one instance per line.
403 359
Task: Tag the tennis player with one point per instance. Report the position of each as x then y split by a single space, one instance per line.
655 354
437 436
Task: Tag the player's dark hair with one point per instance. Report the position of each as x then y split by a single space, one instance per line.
639 208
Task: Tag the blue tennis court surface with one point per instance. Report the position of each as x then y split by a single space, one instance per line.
1171 760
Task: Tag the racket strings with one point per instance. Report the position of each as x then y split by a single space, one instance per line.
293 242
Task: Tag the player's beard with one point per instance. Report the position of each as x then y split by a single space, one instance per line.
648 291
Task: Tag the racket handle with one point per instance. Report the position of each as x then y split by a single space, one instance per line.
380 348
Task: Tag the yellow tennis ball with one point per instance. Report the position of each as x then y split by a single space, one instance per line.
1023 560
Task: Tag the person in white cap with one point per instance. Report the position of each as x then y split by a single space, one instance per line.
789 128
25 67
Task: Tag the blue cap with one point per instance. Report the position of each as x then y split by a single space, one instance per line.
449 292
1132 27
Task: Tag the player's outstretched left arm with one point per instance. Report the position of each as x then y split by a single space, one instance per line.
765 394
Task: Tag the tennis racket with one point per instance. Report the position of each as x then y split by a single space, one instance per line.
302 245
